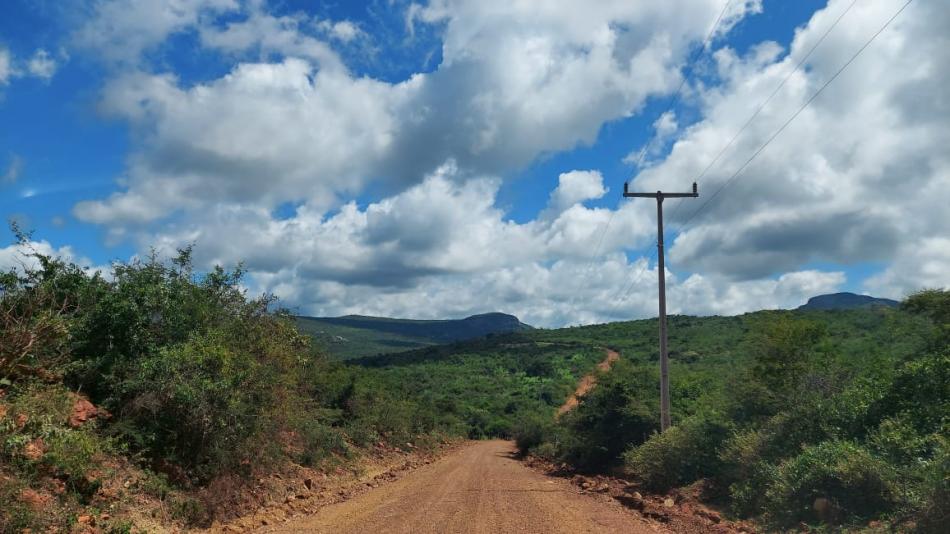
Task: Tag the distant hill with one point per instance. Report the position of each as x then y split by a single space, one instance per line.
353 336
845 301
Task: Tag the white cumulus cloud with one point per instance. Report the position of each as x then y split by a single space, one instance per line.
855 178
860 176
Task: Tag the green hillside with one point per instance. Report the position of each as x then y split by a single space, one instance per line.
773 411
355 336
844 301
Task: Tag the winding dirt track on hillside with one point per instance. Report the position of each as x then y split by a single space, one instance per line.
478 489
588 382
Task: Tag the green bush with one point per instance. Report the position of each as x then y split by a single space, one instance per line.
531 432
934 512
679 456
744 471
856 484
919 393
935 304
547 450
900 443
617 414
68 453
319 442
202 404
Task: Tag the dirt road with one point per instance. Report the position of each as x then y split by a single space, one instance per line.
588 382
478 489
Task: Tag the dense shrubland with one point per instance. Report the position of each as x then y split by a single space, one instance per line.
835 417
776 411
192 379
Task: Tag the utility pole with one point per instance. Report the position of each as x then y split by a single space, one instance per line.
661 269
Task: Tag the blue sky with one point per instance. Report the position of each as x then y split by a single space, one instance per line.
445 158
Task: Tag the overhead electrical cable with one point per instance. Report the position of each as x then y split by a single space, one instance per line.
674 99
765 102
782 128
777 132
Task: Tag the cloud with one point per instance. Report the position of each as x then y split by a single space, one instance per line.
12 173
515 83
705 295
665 127
853 179
20 257
269 34
921 264
442 248
548 295
120 31
41 65
518 80
343 30
444 225
860 176
6 66
575 187
264 134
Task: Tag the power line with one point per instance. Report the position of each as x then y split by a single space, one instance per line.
625 293
674 99
767 100
661 276
689 66
755 154
758 151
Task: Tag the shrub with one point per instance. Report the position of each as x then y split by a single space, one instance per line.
934 303
679 456
205 405
35 314
67 453
190 511
854 484
919 393
934 513
744 471
898 441
530 433
361 433
319 443
547 450
73 454
620 412
34 335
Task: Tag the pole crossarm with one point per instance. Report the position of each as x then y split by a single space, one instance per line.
665 417
659 195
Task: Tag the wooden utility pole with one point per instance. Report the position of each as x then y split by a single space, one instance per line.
661 269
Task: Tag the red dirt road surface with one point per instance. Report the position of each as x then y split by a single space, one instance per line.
478 489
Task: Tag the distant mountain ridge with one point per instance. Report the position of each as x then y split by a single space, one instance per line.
353 336
845 301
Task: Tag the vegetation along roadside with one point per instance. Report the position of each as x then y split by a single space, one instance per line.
127 396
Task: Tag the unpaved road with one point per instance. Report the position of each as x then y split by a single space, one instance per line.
480 488
588 382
